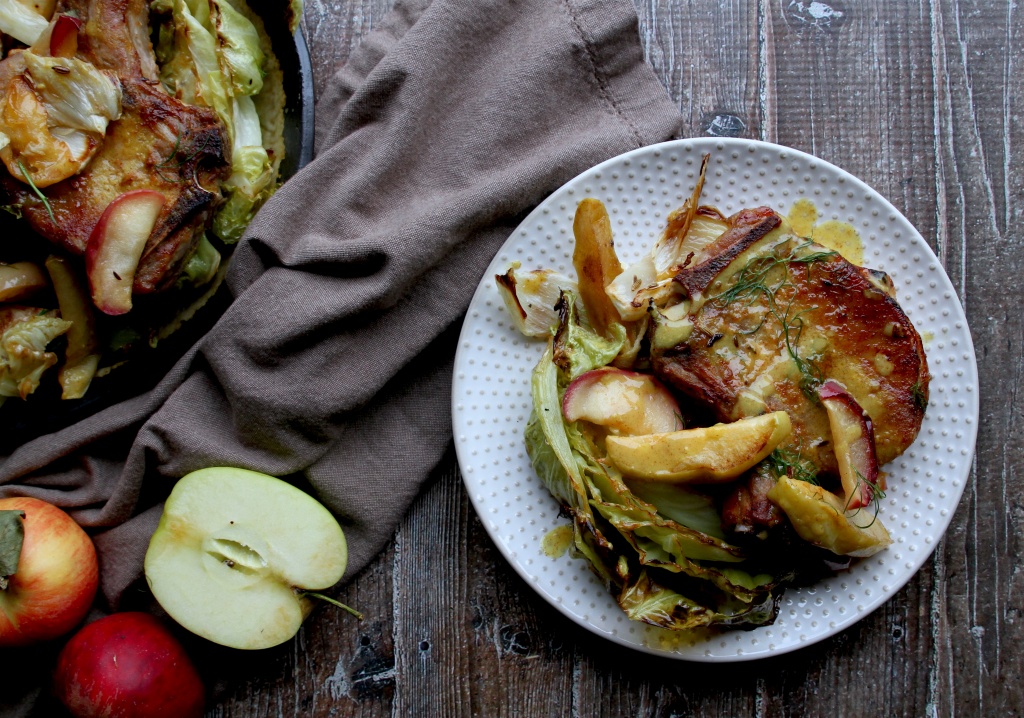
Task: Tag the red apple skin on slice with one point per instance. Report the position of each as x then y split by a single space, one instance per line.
626 402
64 37
116 245
853 438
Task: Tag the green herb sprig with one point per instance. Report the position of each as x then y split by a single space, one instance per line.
876 496
753 282
169 162
918 396
39 194
787 462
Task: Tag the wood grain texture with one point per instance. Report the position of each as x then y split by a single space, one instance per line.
924 101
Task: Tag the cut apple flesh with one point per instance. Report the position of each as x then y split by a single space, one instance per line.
234 552
821 518
626 402
853 439
20 280
82 356
713 454
116 245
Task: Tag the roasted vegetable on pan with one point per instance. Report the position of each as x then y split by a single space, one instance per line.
137 139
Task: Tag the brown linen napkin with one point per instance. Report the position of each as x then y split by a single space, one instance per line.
450 122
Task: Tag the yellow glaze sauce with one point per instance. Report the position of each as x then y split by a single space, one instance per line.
802 217
557 541
666 640
840 236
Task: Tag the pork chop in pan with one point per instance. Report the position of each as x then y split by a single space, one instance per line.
157 143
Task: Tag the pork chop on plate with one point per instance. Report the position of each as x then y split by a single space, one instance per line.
770 317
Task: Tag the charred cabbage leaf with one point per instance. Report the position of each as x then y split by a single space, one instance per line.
211 55
663 571
646 600
23 355
577 349
55 117
531 298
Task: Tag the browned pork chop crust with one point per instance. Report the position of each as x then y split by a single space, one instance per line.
781 316
158 143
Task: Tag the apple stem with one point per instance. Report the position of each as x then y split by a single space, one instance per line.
333 602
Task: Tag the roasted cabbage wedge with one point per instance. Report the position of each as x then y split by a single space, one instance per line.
26 332
662 570
215 53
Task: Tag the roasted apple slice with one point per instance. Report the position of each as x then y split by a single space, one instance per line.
64 36
626 402
853 439
596 262
20 280
116 245
713 454
821 518
82 354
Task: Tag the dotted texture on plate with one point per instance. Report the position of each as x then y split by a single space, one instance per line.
491 387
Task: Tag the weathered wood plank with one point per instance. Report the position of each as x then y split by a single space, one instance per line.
333 28
471 637
336 666
923 101
706 56
852 86
981 149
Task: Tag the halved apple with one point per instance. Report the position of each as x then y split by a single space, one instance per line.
64 36
116 245
19 280
626 402
853 438
713 454
235 553
821 518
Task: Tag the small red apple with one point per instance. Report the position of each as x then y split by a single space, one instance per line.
116 245
626 402
56 577
128 665
64 36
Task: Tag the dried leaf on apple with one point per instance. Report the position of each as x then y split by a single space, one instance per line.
12 535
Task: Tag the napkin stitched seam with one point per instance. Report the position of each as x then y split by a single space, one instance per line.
599 76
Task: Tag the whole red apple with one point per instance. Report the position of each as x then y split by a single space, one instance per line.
56 577
127 665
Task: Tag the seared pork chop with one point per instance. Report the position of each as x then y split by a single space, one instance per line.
157 143
773 316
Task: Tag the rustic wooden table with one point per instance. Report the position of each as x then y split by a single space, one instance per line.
925 102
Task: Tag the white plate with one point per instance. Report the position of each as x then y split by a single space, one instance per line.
491 392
